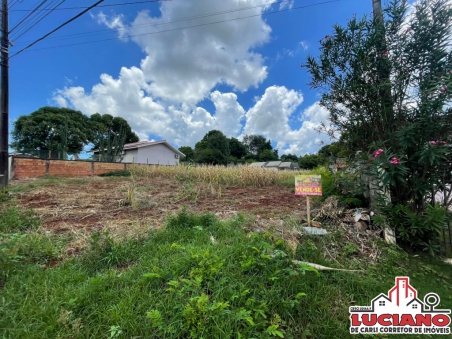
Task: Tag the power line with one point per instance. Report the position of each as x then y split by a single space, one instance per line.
38 20
205 15
14 2
56 29
30 14
175 29
110 5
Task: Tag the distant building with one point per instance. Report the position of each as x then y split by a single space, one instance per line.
148 152
276 165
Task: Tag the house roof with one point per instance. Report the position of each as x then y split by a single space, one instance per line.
273 164
140 144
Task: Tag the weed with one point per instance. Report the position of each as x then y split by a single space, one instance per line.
116 174
15 219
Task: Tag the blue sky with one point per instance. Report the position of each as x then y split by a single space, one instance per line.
239 76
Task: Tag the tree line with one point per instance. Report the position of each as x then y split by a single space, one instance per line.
64 131
216 149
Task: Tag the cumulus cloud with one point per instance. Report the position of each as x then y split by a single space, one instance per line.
270 117
182 67
184 63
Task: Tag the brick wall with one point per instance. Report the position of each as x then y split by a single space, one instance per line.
28 168
33 168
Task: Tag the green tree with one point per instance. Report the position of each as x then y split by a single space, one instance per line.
237 148
256 144
189 153
213 149
389 87
289 157
51 128
310 161
268 155
105 128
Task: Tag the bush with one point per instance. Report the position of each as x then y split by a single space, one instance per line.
116 174
417 231
345 186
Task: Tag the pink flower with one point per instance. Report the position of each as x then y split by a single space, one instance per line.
258 216
385 53
432 142
442 142
443 90
394 161
409 29
450 72
378 152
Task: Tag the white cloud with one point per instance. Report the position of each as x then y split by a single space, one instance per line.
286 4
304 45
183 64
116 23
182 67
270 117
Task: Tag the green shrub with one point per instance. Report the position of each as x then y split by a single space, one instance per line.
116 174
417 231
14 219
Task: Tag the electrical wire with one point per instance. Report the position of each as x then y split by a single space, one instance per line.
110 5
38 20
56 29
14 2
29 14
205 15
175 29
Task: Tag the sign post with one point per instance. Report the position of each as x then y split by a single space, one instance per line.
307 185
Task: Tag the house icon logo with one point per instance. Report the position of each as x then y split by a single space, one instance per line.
401 312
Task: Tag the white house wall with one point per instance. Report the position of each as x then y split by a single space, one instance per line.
131 156
157 154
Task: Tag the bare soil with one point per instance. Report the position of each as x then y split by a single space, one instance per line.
98 204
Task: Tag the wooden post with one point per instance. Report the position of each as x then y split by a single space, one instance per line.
50 154
308 207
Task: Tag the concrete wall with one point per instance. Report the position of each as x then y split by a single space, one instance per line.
158 154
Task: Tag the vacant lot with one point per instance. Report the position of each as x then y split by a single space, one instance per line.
123 258
101 204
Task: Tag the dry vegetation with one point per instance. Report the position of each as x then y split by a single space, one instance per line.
130 207
232 176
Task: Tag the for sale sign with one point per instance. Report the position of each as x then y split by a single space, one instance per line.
308 185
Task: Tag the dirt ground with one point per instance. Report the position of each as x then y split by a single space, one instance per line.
99 204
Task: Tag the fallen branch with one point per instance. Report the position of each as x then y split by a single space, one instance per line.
324 268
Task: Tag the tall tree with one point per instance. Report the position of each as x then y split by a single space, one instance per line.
213 149
256 144
189 153
50 128
289 157
106 128
407 60
237 148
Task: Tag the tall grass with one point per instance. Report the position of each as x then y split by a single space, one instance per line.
220 175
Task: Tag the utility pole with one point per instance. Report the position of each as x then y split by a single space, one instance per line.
378 12
4 100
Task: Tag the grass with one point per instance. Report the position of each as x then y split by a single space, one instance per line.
198 278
